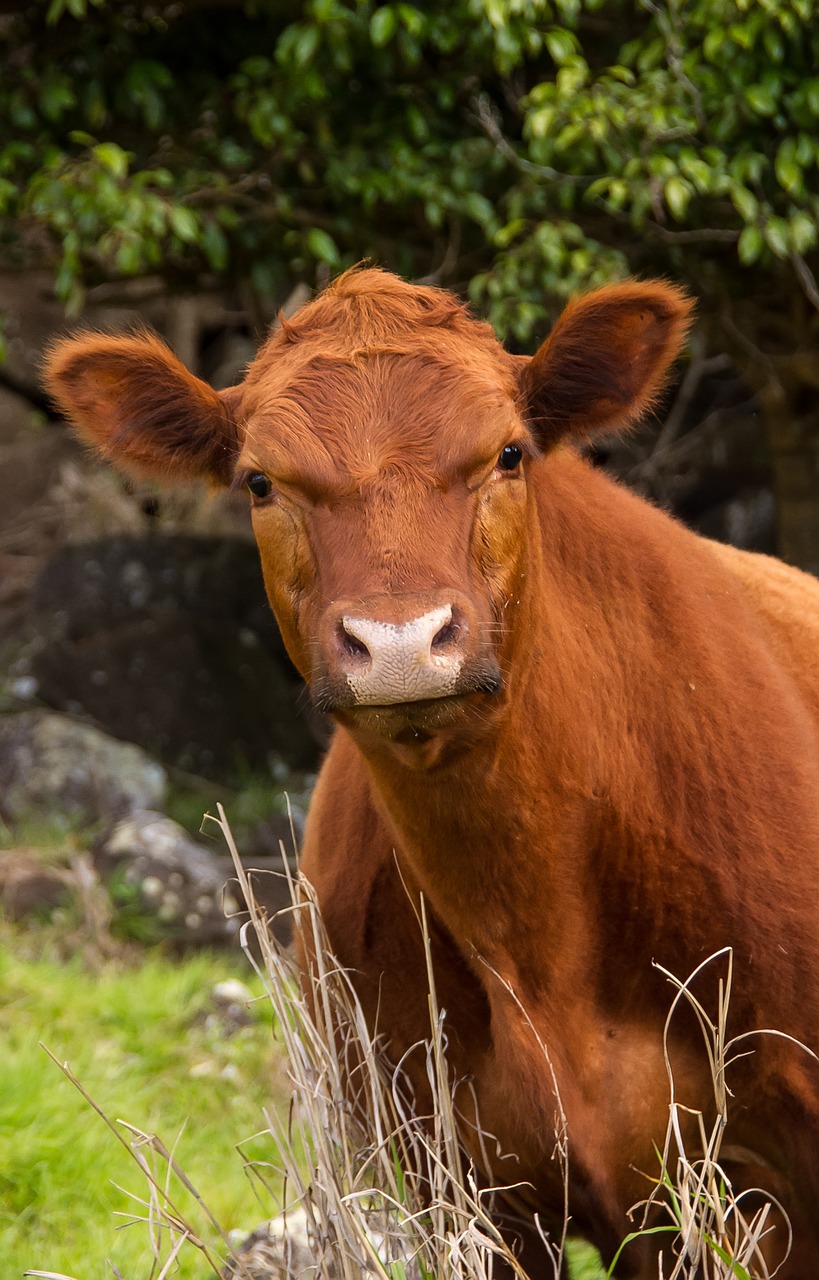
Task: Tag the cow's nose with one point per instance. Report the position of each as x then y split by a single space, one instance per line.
391 662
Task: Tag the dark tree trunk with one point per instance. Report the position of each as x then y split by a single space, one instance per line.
791 404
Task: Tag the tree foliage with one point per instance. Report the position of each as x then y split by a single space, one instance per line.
519 149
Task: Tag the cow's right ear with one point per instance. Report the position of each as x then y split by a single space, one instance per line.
139 406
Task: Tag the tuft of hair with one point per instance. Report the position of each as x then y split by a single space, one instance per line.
379 306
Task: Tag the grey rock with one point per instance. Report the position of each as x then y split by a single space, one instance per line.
182 885
232 1000
286 1248
186 890
282 1249
169 642
54 767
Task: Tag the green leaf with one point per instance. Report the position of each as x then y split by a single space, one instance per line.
571 77
617 194
128 258
811 91
413 19
383 26
803 232
305 45
58 7
112 158
184 223
639 1235
678 194
761 99
322 246
788 171
561 44
774 44
55 98
777 236
693 167
745 202
713 43
736 1268
750 245
538 123
479 208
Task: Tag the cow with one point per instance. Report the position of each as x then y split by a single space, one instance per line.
586 735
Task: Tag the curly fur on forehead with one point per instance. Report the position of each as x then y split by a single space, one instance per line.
379 307
370 313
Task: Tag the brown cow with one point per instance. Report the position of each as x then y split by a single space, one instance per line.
587 735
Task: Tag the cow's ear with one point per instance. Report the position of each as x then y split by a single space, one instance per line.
606 359
139 406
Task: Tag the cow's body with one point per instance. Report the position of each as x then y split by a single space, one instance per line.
566 862
587 736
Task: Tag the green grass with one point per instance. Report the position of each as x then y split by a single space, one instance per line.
145 1042
583 1261
255 800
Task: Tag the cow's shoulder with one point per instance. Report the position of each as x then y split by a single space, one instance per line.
779 590
786 600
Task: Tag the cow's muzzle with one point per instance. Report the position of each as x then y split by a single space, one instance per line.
402 649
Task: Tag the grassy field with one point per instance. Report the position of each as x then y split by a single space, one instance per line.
148 1043
145 1035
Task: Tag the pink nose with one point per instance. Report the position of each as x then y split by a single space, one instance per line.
407 661
406 648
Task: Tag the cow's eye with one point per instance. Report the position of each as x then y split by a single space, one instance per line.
510 457
259 485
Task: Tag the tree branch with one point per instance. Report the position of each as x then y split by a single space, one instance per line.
489 120
806 278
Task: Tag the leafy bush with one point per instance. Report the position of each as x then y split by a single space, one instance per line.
519 148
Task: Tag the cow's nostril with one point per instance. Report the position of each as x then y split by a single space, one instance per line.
445 635
352 645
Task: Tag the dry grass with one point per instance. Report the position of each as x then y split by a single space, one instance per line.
714 1232
384 1190
378 1190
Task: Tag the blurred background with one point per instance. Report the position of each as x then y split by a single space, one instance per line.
200 166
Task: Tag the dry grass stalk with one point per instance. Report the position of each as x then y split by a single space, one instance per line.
386 1191
715 1233
168 1229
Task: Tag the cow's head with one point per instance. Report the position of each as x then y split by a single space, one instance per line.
387 442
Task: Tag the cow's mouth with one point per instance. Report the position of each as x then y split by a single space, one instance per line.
408 721
412 723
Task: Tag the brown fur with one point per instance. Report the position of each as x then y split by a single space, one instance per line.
644 787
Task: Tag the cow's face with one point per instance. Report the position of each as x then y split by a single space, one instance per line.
389 505
388 445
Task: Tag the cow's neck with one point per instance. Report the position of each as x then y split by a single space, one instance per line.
478 843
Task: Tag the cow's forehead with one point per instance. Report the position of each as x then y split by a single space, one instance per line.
402 407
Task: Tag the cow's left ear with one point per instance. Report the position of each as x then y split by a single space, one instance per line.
138 405
606 359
